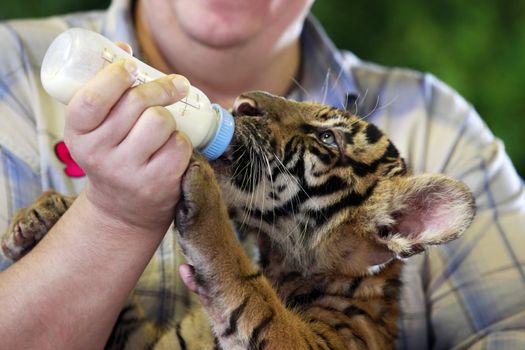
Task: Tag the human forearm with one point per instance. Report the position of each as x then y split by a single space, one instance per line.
80 275
67 292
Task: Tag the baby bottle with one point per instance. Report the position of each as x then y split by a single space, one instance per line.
76 55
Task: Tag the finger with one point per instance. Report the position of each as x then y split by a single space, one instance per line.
173 157
91 104
135 101
124 46
149 133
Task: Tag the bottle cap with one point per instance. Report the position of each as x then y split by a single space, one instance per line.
223 136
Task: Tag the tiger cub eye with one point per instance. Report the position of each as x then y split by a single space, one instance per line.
327 137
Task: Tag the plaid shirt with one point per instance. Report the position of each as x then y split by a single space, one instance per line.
467 294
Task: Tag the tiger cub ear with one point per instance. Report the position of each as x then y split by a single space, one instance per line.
425 210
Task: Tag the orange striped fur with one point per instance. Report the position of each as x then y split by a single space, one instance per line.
334 210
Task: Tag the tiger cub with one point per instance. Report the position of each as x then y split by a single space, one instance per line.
335 211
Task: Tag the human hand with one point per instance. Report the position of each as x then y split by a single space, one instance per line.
128 145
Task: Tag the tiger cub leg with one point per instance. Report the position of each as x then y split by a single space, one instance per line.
29 225
244 310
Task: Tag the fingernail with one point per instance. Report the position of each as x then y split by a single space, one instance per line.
182 85
131 67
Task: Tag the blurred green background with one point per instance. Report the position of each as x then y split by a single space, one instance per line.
476 46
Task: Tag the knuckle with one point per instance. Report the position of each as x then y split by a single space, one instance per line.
138 97
159 117
88 101
183 144
118 69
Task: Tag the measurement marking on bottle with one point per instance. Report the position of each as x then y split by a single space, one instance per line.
108 55
143 77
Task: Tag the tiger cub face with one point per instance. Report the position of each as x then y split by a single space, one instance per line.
329 191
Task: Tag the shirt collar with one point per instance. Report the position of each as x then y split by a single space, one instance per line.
325 74
119 23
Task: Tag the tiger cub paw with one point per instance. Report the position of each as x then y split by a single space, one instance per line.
200 200
29 225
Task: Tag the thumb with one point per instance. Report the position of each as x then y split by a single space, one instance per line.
124 46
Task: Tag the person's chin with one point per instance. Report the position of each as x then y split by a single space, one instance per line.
220 35
215 24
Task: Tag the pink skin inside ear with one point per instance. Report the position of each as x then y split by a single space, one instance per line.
410 226
426 213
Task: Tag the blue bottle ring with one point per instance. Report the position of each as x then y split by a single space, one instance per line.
223 136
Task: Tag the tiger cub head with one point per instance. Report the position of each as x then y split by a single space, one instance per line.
330 191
